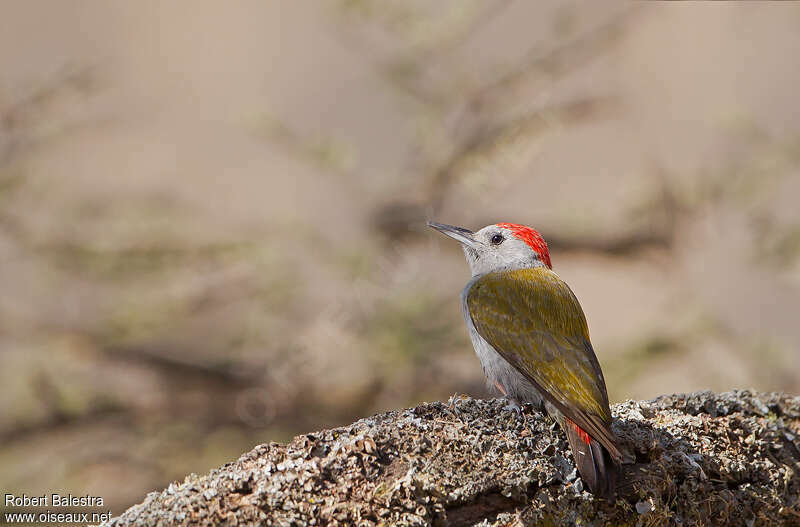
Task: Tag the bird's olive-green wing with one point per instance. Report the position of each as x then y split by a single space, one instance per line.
533 320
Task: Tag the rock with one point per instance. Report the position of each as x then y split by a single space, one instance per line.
695 459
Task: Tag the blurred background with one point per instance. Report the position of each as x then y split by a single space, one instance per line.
212 214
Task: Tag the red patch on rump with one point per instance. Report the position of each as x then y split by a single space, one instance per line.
585 437
532 238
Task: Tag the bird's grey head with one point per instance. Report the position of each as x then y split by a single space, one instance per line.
499 246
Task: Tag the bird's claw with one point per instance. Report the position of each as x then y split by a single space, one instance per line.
513 406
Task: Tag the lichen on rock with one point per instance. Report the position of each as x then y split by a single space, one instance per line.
697 459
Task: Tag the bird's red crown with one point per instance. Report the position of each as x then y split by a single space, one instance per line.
532 238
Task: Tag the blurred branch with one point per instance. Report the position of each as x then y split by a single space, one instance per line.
13 228
57 418
80 257
556 63
54 423
483 152
325 154
444 47
21 122
406 71
620 245
27 121
486 146
482 141
178 363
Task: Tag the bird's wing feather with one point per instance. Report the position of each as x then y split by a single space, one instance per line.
533 320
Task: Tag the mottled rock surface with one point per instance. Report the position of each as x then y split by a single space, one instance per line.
697 459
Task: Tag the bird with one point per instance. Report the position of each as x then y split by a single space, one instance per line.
532 339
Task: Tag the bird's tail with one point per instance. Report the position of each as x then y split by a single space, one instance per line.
594 462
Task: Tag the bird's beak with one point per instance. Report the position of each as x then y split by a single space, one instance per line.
459 234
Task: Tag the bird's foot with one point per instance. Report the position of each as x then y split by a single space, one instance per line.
452 406
513 406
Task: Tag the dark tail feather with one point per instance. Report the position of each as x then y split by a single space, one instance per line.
594 462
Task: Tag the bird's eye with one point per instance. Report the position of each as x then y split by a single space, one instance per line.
497 239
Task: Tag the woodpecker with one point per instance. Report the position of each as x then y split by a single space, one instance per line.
531 337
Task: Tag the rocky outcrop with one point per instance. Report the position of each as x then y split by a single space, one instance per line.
697 459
